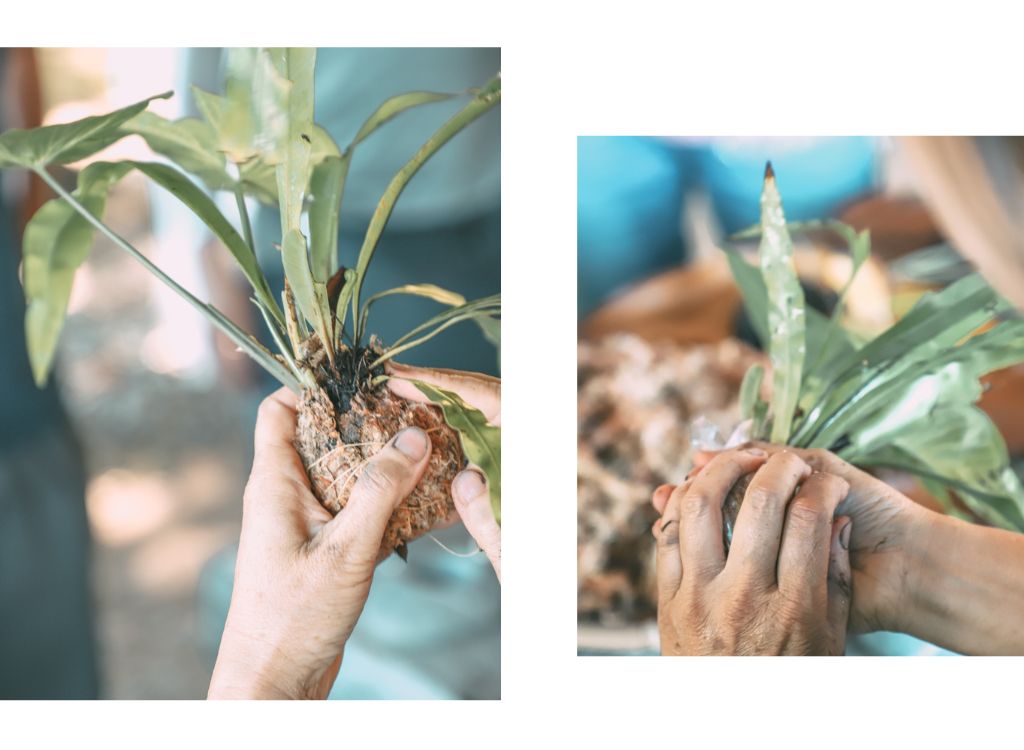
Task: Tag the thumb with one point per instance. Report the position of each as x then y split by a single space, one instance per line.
472 501
387 479
840 582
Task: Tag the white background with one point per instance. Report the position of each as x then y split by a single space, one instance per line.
719 68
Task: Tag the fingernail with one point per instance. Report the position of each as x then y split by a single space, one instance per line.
755 452
844 535
469 484
412 443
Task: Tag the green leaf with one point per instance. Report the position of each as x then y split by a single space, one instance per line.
189 143
486 307
59 241
786 317
960 447
62 144
483 102
430 291
56 242
936 323
294 140
206 210
393 107
481 442
325 187
750 390
310 295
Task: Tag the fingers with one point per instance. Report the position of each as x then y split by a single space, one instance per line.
660 497
668 560
804 554
386 480
755 541
275 426
480 391
473 503
840 579
700 511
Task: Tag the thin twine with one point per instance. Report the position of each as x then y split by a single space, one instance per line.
342 446
450 551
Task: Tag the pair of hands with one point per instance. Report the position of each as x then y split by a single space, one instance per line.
303 576
818 547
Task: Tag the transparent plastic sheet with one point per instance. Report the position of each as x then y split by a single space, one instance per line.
705 436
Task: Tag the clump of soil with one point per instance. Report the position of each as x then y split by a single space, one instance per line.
637 401
346 421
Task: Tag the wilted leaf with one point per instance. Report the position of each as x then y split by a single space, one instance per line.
481 441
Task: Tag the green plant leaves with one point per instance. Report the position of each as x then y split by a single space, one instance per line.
485 307
481 441
57 241
487 98
189 143
325 187
786 319
62 144
750 390
393 107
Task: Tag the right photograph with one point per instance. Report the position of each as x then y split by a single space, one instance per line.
800 396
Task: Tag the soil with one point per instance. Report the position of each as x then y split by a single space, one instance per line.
344 422
637 401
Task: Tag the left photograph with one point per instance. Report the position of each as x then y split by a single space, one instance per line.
251 394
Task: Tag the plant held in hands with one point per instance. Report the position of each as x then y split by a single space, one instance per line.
904 400
260 140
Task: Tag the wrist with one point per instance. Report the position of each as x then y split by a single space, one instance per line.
250 668
924 553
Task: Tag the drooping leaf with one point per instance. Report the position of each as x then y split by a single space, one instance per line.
481 441
488 97
786 316
56 242
62 144
393 107
67 252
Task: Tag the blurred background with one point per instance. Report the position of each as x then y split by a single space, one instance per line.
121 482
664 343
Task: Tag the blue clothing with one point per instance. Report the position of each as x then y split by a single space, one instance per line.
632 192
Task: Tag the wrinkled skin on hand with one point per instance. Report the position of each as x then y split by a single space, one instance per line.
784 588
882 519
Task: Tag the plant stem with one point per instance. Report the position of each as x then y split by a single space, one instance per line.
244 341
243 214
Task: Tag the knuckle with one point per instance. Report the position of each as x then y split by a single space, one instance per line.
807 511
789 461
696 505
757 498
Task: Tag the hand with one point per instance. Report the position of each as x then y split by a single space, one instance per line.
302 577
885 522
469 488
785 586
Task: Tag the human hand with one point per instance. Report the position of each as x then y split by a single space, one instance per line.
785 586
469 488
302 577
885 522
